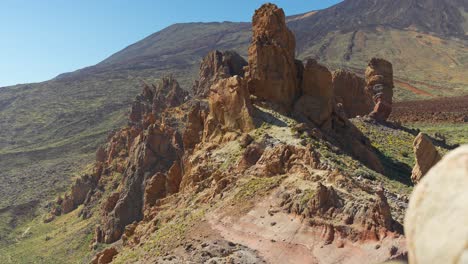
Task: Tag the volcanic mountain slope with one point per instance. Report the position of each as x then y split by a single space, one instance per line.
268 167
70 115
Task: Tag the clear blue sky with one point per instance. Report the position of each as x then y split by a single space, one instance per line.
43 38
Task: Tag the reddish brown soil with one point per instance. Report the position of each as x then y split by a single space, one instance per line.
411 88
450 109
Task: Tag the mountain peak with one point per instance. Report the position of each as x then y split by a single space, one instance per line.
443 17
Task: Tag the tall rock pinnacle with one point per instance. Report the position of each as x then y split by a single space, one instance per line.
272 73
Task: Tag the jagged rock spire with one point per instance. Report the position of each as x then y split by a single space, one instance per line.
272 74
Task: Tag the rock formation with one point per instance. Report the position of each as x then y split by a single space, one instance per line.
349 91
154 99
230 108
215 66
271 74
372 220
178 153
282 159
193 133
426 157
150 156
379 82
316 101
105 257
436 222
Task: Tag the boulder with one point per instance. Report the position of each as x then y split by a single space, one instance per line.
272 74
436 222
215 66
426 156
230 108
315 104
349 91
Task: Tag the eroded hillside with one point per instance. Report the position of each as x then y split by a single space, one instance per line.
72 114
269 161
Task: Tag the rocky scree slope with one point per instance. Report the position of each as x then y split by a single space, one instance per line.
267 167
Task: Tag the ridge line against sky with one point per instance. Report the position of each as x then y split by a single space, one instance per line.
42 39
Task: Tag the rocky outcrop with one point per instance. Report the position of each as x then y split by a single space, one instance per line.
80 190
193 133
167 94
154 99
230 109
151 154
155 189
325 206
106 256
349 91
426 156
316 101
272 74
215 66
436 219
379 83
282 159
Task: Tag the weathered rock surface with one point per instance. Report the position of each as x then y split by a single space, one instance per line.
436 223
371 219
215 66
379 82
193 133
105 257
271 74
167 93
316 101
349 91
154 99
150 154
426 156
230 109
282 159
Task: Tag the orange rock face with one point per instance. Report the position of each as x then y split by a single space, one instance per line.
426 157
271 74
230 108
193 132
316 102
349 91
215 66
